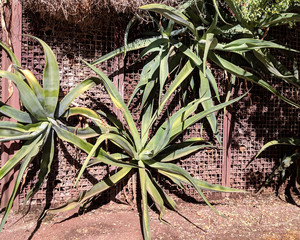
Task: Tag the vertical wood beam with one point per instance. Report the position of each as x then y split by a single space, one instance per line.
118 78
10 94
226 163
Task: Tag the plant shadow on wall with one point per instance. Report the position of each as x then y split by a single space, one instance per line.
70 44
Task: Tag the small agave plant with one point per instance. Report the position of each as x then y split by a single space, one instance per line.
148 154
290 162
40 121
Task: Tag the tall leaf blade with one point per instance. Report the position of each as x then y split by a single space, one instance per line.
147 114
46 162
182 75
146 75
136 45
51 79
177 119
34 84
204 92
155 194
208 44
172 14
119 103
145 212
240 72
183 125
163 70
216 5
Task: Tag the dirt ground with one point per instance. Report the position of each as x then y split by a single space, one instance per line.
248 217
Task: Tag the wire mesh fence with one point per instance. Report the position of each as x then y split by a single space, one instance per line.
256 119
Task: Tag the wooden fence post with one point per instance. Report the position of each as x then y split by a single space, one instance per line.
226 163
10 94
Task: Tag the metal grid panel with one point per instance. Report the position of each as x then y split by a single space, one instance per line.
255 122
260 118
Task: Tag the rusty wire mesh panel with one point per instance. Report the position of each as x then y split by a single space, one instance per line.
69 45
262 117
204 165
258 118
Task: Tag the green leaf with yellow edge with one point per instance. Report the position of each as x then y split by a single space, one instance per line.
119 103
87 147
51 79
28 98
34 84
118 140
29 134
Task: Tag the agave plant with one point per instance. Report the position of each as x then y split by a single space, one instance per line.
290 162
149 154
40 121
193 37
289 166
